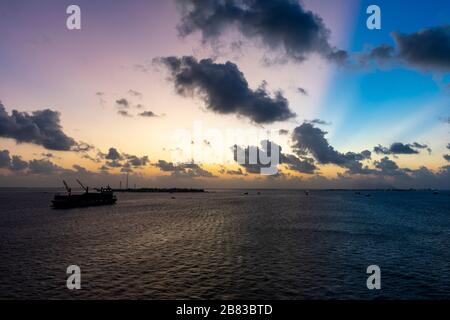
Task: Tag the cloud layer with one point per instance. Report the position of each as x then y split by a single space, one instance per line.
191 170
308 139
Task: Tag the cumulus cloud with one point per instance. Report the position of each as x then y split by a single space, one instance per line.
447 157
17 164
123 103
307 139
148 114
116 159
427 49
401 148
124 113
283 25
225 90
183 170
136 161
388 167
303 165
41 127
113 154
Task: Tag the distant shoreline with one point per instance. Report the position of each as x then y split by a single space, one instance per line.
161 190
174 189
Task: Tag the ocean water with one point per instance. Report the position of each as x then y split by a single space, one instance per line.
226 245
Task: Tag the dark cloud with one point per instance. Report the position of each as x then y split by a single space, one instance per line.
448 146
116 159
279 24
148 114
123 103
382 53
17 164
113 154
183 170
388 167
41 127
136 161
302 165
427 49
43 166
401 148
165 166
447 157
307 139
302 91
283 132
318 122
225 90
124 113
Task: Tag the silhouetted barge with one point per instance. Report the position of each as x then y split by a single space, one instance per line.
102 196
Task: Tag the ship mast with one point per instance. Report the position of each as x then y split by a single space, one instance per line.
69 191
82 186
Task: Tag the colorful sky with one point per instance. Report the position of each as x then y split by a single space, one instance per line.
350 107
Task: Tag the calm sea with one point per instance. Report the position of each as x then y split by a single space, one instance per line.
227 245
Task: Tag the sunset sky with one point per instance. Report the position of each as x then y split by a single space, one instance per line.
357 108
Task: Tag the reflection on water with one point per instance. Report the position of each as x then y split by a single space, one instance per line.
226 245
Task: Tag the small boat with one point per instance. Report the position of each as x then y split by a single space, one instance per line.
102 196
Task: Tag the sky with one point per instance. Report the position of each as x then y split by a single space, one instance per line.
167 91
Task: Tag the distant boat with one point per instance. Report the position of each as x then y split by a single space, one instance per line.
102 196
